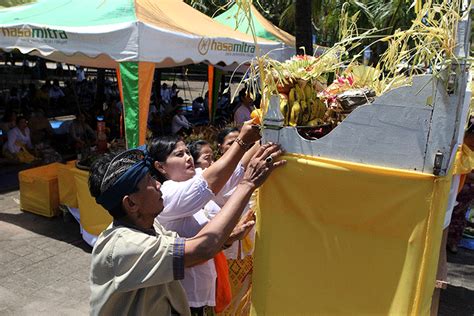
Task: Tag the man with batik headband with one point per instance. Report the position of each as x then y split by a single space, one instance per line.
136 264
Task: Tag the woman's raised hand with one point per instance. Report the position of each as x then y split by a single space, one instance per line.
262 164
249 133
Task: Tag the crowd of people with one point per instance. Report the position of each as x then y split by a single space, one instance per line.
193 197
180 210
39 106
168 115
188 230
194 191
175 208
27 142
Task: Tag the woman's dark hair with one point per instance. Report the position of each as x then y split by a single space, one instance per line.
13 91
8 115
224 132
258 99
19 118
195 148
470 126
242 93
159 148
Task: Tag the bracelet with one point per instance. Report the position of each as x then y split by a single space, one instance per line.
441 285
224 246
241 143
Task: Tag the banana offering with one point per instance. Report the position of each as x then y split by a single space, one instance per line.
302 107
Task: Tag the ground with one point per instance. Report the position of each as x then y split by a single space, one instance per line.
458 299
45 263
45 267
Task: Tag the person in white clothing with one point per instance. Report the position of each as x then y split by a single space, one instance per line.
179 123
55 92
225 138
165 93
243 111
187 190
202 154
137 264
18 139
80 75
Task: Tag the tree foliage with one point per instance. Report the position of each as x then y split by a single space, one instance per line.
385 15
12 3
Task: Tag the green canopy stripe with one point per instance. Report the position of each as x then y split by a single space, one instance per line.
129 78
69 13
236 19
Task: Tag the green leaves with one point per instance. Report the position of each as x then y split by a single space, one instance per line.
12 3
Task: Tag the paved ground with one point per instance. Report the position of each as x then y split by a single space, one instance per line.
458 299
45 265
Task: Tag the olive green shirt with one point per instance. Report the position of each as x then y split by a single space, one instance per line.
136 272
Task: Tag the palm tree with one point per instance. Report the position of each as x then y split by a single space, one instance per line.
325 19
209 7
272 10
12 3
386 16
303 27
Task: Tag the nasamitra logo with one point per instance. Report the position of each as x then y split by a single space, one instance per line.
35 32
206 44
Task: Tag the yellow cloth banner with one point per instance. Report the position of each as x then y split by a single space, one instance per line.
338 238
66 185
94 218
464 160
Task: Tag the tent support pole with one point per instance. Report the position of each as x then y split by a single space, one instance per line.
76 101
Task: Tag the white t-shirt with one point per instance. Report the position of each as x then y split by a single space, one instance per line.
178 122
210 210
80 74
14 136
242 114
184 213
166 95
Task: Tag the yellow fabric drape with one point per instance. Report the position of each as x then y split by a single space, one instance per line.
464 160
337 238
66 184
94 218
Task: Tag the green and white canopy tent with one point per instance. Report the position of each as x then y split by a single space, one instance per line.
133 36
237 19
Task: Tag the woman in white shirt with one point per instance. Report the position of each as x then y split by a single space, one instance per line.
179 122
19 139
187 190
203 157
202 154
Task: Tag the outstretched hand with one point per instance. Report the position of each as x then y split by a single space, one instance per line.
262 164
250 132
242 228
